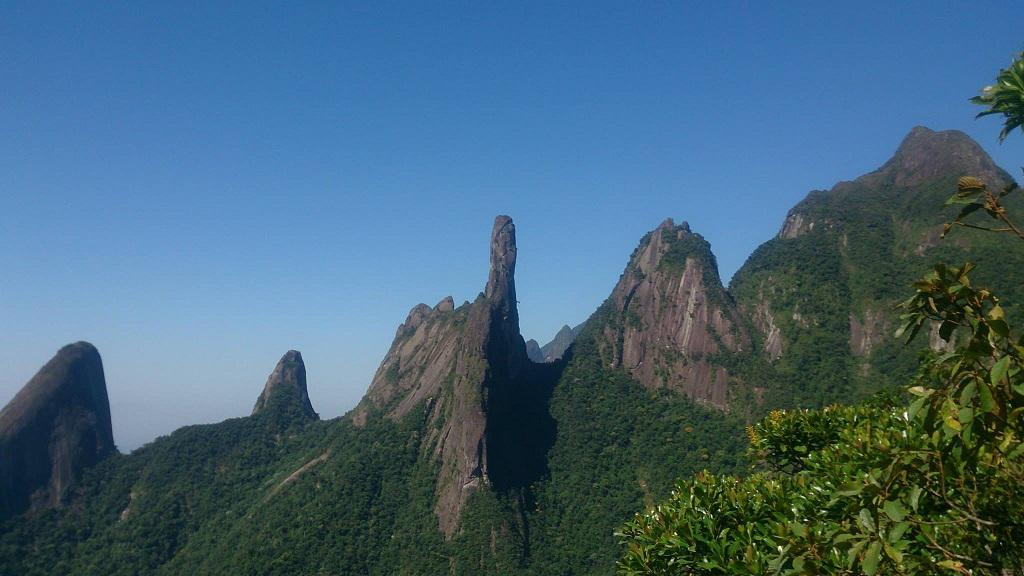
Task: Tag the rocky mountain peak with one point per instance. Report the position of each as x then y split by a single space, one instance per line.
445 305
565 337
501 285
465 367
286 387
925 162
669 312
57 426
926 154
533 351
669 224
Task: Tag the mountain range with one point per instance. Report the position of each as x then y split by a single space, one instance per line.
477 452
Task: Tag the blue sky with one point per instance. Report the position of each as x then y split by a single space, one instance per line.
197 188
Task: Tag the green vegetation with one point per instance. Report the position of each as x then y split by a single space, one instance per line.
619 448
872 238
277 493
242 497
928 484
1006 97
929 487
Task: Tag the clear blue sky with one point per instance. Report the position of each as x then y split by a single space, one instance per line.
197 188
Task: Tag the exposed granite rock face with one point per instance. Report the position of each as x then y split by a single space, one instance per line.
867 332
469 367
286 388
555 349
56 427
764 320
533 351
670 313
926 155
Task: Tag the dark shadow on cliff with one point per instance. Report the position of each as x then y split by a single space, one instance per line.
520 429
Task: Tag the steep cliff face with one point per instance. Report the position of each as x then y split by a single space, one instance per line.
669 316
821 295
469 366
286 388
56 427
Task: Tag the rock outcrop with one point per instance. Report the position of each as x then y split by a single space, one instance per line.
286 388
926 155
533 351
555 349
669 315
468 367
54 429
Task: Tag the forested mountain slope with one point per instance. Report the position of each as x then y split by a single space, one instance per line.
821 295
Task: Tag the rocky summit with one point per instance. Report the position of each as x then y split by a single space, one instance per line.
467 365
558 346
821 296
669 315
57 426
286 388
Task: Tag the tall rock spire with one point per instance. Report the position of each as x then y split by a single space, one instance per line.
286 388
501 283
462 365
57 426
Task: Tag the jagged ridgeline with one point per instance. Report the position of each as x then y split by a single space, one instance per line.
472 453
464 457
821 295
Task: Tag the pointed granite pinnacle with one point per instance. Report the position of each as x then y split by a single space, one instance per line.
501 284
286 387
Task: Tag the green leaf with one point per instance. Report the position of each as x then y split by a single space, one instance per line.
1000 327
915 407
968 393
915 496
952 565
999 370
893 553
952 423
866 521
849 489
988 403
897 531
895 510
851 556
872 558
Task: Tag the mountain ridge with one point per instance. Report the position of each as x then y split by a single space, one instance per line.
466 457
